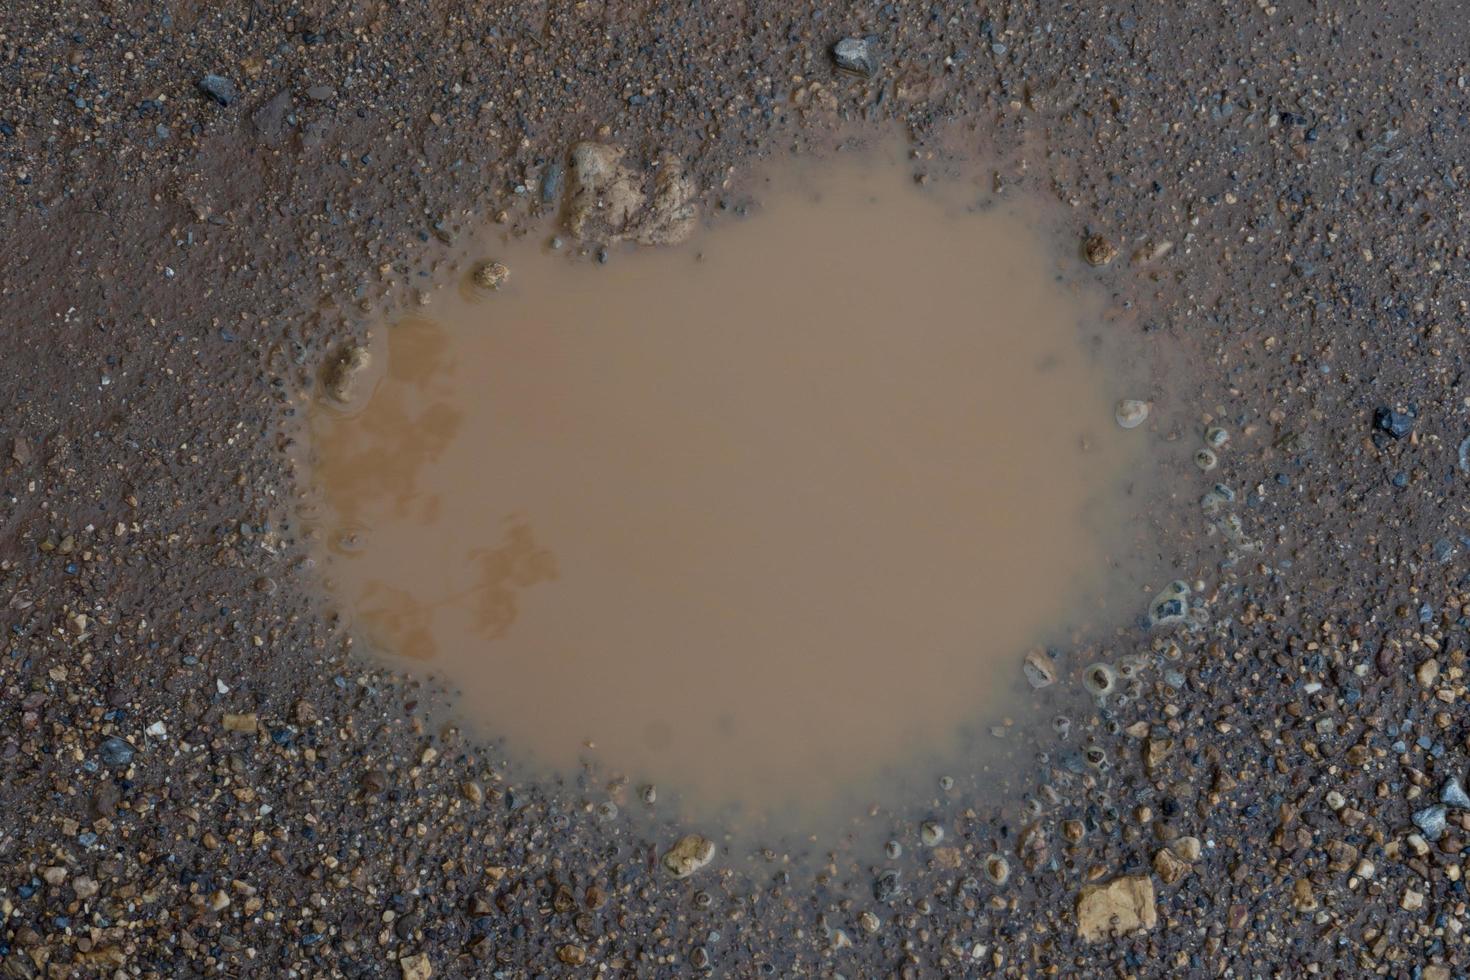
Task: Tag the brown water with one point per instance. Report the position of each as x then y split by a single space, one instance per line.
754 519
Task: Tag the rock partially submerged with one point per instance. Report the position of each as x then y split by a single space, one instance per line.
341 375
1040 669
607 202
688 855
1170 606
1098 251
492 275
1130 413
1118 907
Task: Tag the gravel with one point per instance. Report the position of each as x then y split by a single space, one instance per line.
186 258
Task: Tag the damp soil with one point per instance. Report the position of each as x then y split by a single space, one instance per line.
757 517
205 205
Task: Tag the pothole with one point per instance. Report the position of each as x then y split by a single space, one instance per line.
760 517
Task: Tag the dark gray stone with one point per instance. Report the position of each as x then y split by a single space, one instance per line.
116 752
1395 423
219 88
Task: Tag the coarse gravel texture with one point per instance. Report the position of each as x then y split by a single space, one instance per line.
205 202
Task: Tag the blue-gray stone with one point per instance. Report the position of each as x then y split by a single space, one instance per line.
218 88
1454 794
116 751
1430 821
1395 423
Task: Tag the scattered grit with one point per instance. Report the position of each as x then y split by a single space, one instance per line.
205 203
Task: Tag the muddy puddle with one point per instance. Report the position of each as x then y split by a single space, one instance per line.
759 519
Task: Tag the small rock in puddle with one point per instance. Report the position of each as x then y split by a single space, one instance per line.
691 853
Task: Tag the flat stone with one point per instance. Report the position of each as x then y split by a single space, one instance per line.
1118 907
605 193
269 119
241 723
671 215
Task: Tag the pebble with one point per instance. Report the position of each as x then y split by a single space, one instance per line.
1427 673
1170 605
1218 497
552 183
248 724
1431 821
1099 251
492 275
1040 669
1397 424
893 849
691 853
341 375
219 88
1215 437
1206 459
997 869
1118 907
855 55
886 886
931 833
1454 794
1169 866
117 752
1130 413
1100 679
1188 848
